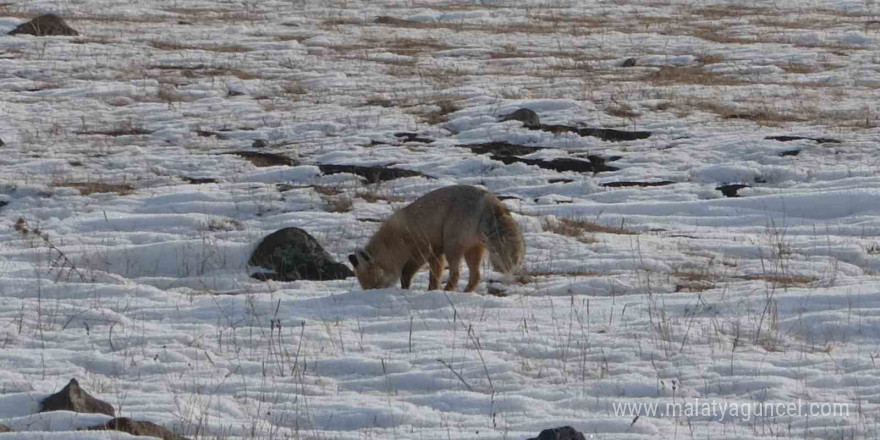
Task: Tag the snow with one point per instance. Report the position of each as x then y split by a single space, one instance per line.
659 294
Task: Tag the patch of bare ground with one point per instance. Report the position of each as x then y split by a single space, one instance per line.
668 75
86 188
176 45
405 45
781 280
373 195
800 68
92 39
205 71
696 281
732 11
579 228
771 113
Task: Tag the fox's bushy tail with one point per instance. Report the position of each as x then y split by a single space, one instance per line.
504 239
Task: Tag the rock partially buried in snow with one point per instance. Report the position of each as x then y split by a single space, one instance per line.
561 433
4 428
292 254
629 62
528 117
134 427
73 398
49 24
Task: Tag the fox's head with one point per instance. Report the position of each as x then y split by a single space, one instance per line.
370 274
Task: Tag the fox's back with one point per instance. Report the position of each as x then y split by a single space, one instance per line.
458 207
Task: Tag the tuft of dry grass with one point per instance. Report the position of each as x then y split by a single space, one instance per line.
446 107
338 203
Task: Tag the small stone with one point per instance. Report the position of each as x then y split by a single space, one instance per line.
629 62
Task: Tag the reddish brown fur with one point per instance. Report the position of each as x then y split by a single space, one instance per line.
441 227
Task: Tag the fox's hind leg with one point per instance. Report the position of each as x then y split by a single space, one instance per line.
436 263
473 257
453 259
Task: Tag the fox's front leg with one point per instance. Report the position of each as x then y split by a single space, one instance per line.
406 274
437 264
454 261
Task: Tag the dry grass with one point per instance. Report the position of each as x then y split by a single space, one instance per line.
326 190
781 280
580 229
693 281
373 195
176 46
86 188
205 71
338 203
732 11
446 107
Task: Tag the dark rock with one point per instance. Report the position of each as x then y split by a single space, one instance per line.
562 180
790 153
730 190
4 428
208 133
561 433
629 62
798 138
559 164
265 159
73 398
292 254
412 137
2 143
502 148
260 143
606 134
139 428
641 184
232 93
528 117
393 21
373 174
49 24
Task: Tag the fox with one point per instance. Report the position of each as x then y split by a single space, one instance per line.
440 228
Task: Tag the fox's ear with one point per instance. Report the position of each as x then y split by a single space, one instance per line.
353 259
362 255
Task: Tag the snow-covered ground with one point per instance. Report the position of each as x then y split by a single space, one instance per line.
656 295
